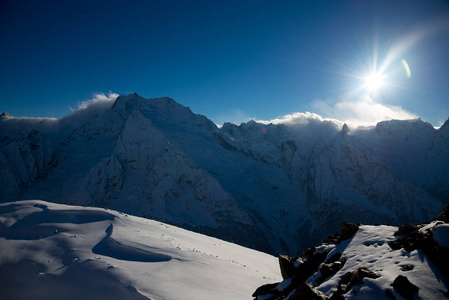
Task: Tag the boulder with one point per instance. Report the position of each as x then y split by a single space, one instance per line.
353 278
286 265
265 289
404 287
329 269
406 229
348 230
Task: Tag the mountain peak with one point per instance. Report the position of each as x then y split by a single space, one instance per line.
445 125
5 116
345 130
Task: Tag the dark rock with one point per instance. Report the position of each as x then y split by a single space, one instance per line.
444 216
334 258
351 279
332 239
424 240
348 230
406 229
411 241
404 287
265 289
310 266
330 269
366 273
286 265
309 252
306 292
406 268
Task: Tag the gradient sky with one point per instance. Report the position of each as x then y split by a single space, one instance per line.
228 60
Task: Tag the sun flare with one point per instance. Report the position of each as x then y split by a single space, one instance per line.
374 81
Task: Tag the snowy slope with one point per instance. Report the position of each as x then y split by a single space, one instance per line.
378 262
254 184
53 251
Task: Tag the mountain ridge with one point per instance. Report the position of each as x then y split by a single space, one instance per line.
143 156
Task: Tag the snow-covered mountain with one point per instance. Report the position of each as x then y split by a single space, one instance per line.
276 188
54 251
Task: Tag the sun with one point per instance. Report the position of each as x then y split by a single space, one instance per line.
374 82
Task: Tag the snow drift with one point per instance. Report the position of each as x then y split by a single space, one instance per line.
52 251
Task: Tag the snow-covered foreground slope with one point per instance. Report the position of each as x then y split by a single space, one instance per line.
53 251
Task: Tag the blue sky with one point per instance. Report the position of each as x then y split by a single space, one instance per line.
229 60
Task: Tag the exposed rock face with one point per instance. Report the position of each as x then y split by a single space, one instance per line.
352 279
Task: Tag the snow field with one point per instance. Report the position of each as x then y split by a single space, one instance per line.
120 256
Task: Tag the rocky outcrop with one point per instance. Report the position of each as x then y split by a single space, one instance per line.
423 240
335 270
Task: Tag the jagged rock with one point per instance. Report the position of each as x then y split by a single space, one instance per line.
286 265
333 258
345 130
309 252
306 292
266 289
406 228
330 269
444 215
332 239
351 279
302 271
405 287
366 273
424 240
348 230
410 242
406 268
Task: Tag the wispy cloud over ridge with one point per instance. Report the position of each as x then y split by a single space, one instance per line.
364 112
98 99
298 118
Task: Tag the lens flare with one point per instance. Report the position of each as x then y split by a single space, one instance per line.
406 67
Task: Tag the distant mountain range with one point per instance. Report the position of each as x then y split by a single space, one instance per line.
278 188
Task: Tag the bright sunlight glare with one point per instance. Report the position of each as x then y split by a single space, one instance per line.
374 81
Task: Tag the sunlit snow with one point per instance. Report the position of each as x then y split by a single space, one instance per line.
51 251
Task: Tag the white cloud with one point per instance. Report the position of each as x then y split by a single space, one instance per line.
99 99
364 112
89 109
297 118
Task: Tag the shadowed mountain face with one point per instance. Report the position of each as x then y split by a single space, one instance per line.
276 188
